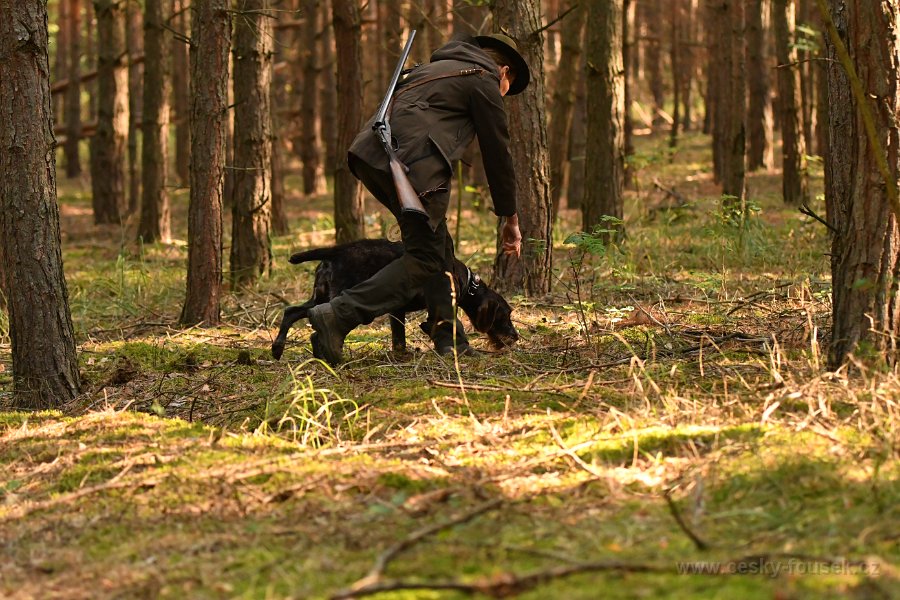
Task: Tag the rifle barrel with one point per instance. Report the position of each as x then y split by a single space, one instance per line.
382 110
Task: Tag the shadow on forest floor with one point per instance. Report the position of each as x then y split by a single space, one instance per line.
665 412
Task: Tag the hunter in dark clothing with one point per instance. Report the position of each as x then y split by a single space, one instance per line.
437 110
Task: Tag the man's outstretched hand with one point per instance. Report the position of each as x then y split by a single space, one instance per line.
511 237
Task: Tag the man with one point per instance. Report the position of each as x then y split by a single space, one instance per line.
436 111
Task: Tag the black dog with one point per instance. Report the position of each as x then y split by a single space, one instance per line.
345 265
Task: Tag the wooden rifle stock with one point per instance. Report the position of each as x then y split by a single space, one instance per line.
409 199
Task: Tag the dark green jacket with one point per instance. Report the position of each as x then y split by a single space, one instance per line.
438 108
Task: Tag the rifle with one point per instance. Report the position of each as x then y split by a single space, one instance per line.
409 199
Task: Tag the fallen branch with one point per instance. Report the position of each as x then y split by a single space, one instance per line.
676 514
373 580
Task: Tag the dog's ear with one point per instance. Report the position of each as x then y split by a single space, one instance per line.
487 312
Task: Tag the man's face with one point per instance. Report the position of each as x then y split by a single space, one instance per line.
505 80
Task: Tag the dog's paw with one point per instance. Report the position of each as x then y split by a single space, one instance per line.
277 350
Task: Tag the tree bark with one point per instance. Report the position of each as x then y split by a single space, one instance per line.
309 139
251 251
793 146
577 143
73 92
181 101
348 199
278 98
759 111
108 145
155 221
562 102
210 45
528 138
328 90
134 45
865 256
628 51
733 181
653 52
45 366
605 151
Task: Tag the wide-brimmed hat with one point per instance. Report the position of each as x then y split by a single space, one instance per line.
505 45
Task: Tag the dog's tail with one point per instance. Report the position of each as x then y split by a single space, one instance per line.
314 254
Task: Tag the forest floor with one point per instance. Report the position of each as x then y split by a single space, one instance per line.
665 427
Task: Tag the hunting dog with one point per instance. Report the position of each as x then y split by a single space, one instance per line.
346 265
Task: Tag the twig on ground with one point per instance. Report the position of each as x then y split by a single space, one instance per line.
373 579
676 514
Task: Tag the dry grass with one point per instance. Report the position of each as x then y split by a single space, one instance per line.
666 403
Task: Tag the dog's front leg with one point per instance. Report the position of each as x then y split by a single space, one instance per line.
292 314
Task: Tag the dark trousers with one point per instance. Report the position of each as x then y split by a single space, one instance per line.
424 267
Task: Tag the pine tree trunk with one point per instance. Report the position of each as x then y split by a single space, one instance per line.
865 256
73 92
714 120
348 199
605 151
309 138
675 61
328 91
577 143
251 250
759 111
210 45
528 138
279 126
134 44
155 221
629 48
61 52
735 109
108 146
653 49
793 148
45 366
181 101
563 101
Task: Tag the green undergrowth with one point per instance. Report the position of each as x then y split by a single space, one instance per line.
666 403
139 505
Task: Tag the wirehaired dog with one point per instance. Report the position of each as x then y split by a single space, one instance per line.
346 265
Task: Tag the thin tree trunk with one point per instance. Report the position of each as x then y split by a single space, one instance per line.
577 144
759 112
735 110
865 256
793 146
528 137
181 101
61 58
674 59
629 48
90 55
134 44
155 221
309 139
108 145
348 199
278 98
605 151
251 250
328 89
45 366
210 43
73 92
563 101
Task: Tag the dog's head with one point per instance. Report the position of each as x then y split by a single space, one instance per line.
489 312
